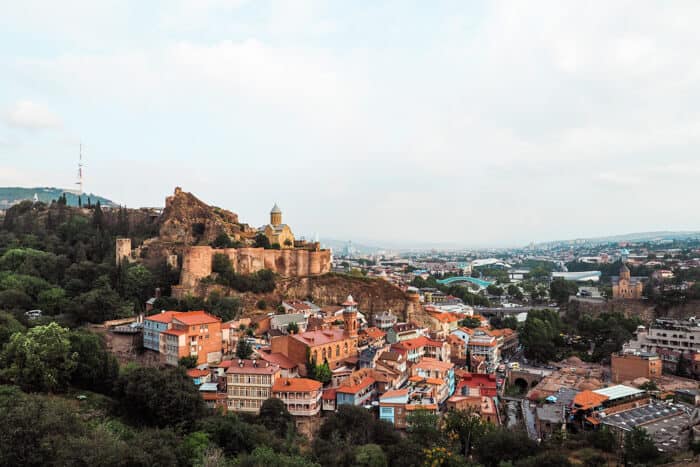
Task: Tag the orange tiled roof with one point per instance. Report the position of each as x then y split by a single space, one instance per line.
296 384
164 317
354 388
410 344
374 333
445 317
412 407
175 332
585 400
395 393
328 394
195 373
196 317
432 363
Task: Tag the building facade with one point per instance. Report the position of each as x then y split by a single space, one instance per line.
249 383
302 396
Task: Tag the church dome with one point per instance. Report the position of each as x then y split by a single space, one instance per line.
276 209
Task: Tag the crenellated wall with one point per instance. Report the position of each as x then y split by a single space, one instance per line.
197 263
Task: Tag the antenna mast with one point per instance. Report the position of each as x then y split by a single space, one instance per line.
80 171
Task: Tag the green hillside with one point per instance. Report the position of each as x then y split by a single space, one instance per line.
13 195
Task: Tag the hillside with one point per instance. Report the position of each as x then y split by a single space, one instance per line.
12 195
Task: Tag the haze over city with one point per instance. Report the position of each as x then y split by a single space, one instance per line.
464 123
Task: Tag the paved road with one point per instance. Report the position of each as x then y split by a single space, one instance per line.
529 419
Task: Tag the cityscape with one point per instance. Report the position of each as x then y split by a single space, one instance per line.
380 234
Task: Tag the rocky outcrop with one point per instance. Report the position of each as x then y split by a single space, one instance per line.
188 220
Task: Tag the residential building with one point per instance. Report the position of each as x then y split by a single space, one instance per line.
392 407
152 327
199 376
632 365
193 333
436 374
385 320
282 322
358 390
403 331
249 383
302 396
483 345
669 334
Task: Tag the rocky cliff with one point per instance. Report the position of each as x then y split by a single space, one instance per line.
372 295
188 220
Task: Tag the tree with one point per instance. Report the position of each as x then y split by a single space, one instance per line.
470 322
138 284
222 241
494 290
264 456
159 397
275 417
261 305
639 448
504 445
96 368
515 292
423 428
40 359
560 289
322 373
189 361
243 348
261 241
233 435
649 386
8 326
541 335
98 216
510 322
467 427
370 455
288 243
293 328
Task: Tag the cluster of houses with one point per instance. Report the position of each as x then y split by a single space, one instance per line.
397 367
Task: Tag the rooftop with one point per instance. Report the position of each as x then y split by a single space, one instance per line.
618 392
320 337
248 366
296 385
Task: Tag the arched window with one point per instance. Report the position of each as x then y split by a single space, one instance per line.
337 351
346 347
323 352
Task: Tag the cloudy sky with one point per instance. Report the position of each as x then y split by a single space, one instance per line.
396 122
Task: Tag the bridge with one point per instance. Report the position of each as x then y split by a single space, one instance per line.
472 280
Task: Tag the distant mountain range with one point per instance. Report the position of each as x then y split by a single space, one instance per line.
634 237
13 195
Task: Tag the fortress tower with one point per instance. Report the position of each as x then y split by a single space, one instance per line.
275 215
350 317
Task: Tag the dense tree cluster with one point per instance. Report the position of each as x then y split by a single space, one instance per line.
259 282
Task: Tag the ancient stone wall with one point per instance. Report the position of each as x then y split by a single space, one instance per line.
197 263
123 250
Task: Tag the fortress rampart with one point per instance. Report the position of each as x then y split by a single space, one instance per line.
197 263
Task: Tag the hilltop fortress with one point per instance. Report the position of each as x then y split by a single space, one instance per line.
189 227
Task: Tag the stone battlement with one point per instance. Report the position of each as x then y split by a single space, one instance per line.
197 263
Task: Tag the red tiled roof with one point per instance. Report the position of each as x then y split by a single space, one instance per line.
296 385
329 394
373 333
195 373
175 332
163 317
255 367
320 337
278 359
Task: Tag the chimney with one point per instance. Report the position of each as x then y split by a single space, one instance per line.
255 363
240 363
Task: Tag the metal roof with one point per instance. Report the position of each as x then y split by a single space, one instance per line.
619 391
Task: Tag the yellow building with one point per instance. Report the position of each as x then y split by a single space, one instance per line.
626 286
277 232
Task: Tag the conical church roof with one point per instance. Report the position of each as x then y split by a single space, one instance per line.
276 209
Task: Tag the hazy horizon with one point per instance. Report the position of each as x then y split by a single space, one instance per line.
485 124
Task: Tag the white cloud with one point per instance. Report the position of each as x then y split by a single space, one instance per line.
32 115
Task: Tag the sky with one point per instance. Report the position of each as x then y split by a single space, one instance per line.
471 123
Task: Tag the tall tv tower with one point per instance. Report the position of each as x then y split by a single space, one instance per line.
80 171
